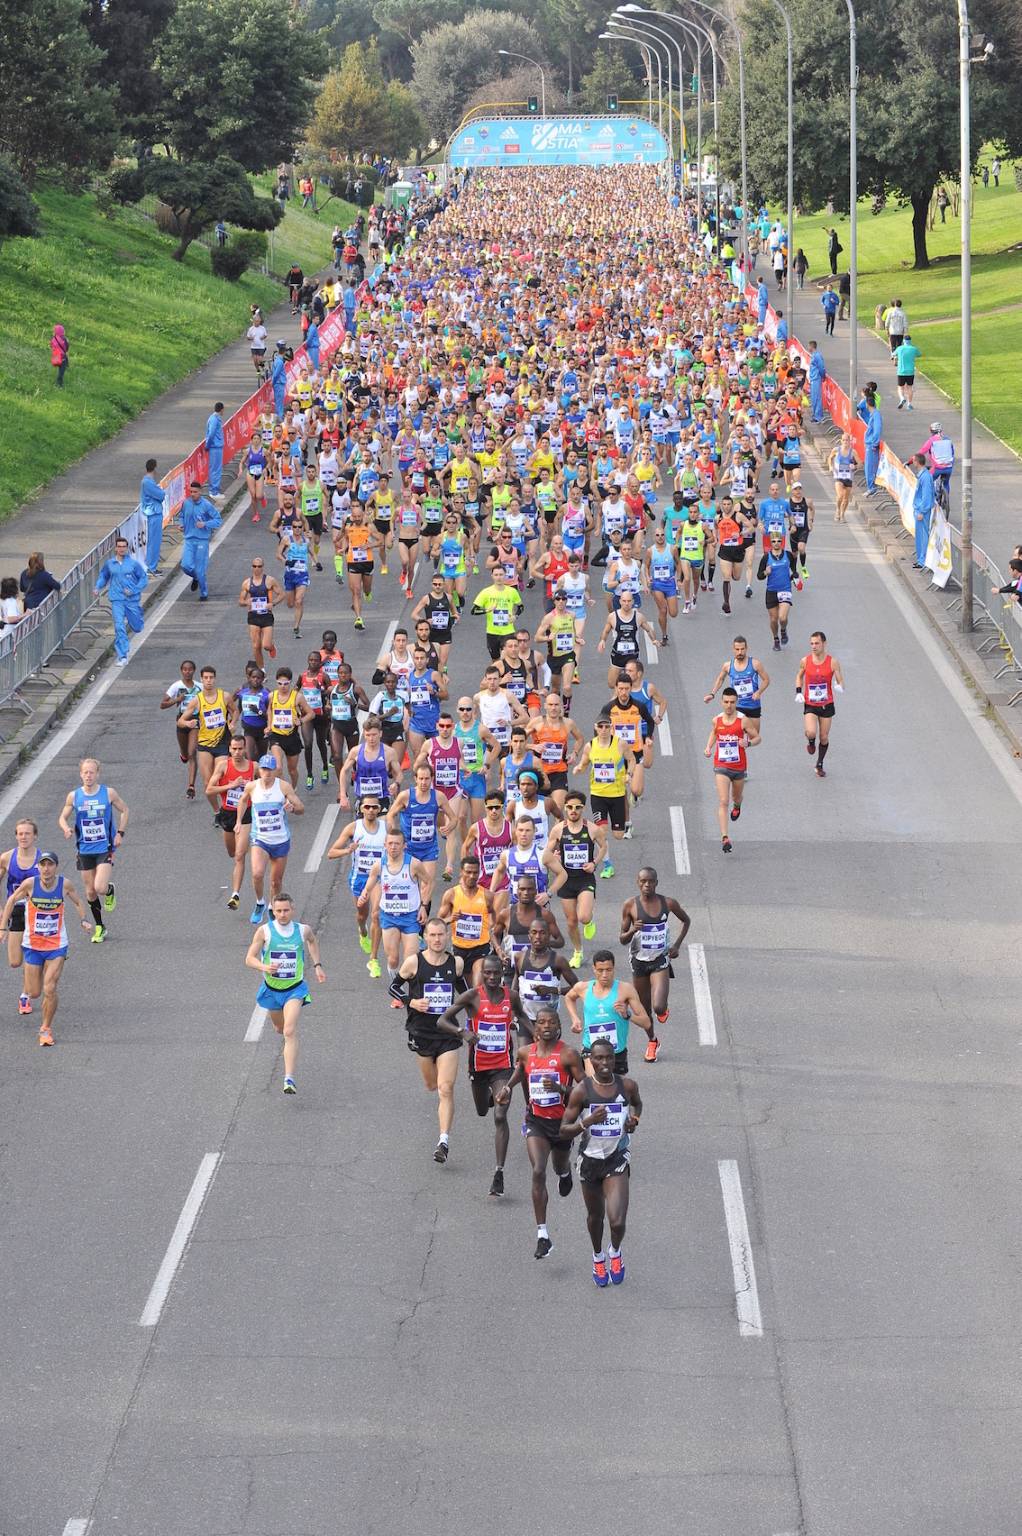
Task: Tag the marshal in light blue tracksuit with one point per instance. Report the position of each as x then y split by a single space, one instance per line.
199 518
124 578
922 506
817 374
152 498
214 441
874 433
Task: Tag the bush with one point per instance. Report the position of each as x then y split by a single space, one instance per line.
253 242
228 262
335 177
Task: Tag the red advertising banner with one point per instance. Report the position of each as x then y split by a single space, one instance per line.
238 428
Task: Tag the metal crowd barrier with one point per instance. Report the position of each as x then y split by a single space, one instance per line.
27 649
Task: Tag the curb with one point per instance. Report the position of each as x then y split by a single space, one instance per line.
77 675
969 662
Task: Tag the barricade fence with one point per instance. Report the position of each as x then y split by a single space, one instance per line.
999 613
28 647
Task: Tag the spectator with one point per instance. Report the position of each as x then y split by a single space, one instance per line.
834 249
780 264
923 498
11 606
985 175
896 325
844 288
1015 584
995 171
943 203
58 353
36 582
800 267
308 192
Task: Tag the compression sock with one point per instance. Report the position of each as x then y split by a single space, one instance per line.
821 753
711 573
566 702
727 591
97 911
339 565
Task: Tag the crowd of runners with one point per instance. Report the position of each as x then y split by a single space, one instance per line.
555 430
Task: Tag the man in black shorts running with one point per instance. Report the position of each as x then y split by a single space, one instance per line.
427 982
604 1109
646 929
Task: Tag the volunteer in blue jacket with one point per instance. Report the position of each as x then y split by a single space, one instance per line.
869 412
124 578
199 517
214 441
152 500
922 506
278 377
762 301
817 374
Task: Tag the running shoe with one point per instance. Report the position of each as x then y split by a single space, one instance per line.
440 1155
576 959
290 1086
364 943
805 573
190 792
234 901
601 1276
373 967
821 772
309 781
110 899
45 1035
725 607
726 845
360 624
589 929
662 1015
627 833
543 1247
383 570
736 811
256 518
565 1184
748 591
777 645
324 775
617 1269
606 872
810 746
194 584
318 566
784 637
24 1003
98 934
652 1050
258 913
497 1182
271 651
368 597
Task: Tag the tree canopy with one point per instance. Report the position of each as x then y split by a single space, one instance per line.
19 216
357 109
238 79
198 193
453 60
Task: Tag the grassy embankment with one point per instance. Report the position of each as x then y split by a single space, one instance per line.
933 297
137 323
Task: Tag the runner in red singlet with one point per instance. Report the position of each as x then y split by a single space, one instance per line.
493 1015
548 1068
819 678
226 784
726 744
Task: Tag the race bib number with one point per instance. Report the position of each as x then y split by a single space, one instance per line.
468 927
817 693
728 749
438 996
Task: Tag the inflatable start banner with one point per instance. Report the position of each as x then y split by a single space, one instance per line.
558 141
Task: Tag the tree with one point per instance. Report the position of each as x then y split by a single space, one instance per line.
449 62
351 112
55 115
127 31
910 142
198 193
19 215
405 128
238 79
518 86
610 75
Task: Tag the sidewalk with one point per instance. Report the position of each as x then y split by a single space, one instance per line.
997 471
74 511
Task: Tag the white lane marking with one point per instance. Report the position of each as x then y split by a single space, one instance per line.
322 838
180 1240
16 791
985 732
664 738
680 837
388 638
704 1002
652 650
77 1528
256 1025
750 1319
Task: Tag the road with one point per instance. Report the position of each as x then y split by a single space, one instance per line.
359 1341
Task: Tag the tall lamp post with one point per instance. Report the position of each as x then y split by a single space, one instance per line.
649 33
630 11
626 37
720 16
791 169
853 196
507 53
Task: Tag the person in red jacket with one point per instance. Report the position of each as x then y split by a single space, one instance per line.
58 353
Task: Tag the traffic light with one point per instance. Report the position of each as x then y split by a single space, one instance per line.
533 103
612 103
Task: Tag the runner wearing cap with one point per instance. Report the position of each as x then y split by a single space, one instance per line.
271 797
44 941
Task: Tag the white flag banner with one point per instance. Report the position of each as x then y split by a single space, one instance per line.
938 550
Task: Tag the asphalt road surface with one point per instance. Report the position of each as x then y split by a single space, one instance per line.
356 1340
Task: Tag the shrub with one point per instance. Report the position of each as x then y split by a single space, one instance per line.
228 262
253 242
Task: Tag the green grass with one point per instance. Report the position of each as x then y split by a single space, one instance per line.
137 322
934 294
303 236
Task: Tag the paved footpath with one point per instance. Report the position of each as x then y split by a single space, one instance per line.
997 471
75 510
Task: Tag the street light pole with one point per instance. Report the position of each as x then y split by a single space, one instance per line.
508 53
853 196
965 173
791 170
720 16
646 32
634 11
